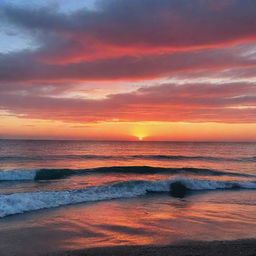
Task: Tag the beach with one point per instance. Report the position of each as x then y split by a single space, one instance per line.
214 248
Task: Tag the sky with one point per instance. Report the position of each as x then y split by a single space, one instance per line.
179 70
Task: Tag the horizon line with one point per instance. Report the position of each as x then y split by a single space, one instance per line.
112 140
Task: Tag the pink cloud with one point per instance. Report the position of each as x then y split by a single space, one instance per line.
167 102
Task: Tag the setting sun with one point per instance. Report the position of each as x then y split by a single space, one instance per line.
140 132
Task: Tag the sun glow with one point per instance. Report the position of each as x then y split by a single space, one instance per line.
140 132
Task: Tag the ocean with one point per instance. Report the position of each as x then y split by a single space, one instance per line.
63 195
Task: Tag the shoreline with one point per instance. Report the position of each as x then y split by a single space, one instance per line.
245 247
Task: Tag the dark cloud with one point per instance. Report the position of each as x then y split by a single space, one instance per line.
134 39
21 67
176 23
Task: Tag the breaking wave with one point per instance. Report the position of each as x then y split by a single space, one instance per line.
25 202
48 174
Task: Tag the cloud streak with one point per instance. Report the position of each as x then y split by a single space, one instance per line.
167 102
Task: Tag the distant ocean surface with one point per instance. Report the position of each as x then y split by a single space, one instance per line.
76 194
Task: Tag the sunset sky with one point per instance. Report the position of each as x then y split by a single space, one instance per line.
128 69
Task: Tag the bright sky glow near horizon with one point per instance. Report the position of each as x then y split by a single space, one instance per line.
128 70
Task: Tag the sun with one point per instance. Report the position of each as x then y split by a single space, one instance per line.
141 137
140 133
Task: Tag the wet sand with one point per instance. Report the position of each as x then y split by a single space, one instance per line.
214 248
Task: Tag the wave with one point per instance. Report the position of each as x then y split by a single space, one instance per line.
200 158
49 174
24 202
54 157
12 175
248 159
125 157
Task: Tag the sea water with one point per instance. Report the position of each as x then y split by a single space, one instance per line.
77 194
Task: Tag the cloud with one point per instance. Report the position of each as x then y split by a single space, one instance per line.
135 27
131 40
22 67
134 40
167 102
168 23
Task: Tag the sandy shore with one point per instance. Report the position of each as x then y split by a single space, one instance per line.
215 248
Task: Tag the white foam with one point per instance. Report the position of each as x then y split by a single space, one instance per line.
23 202
17 175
